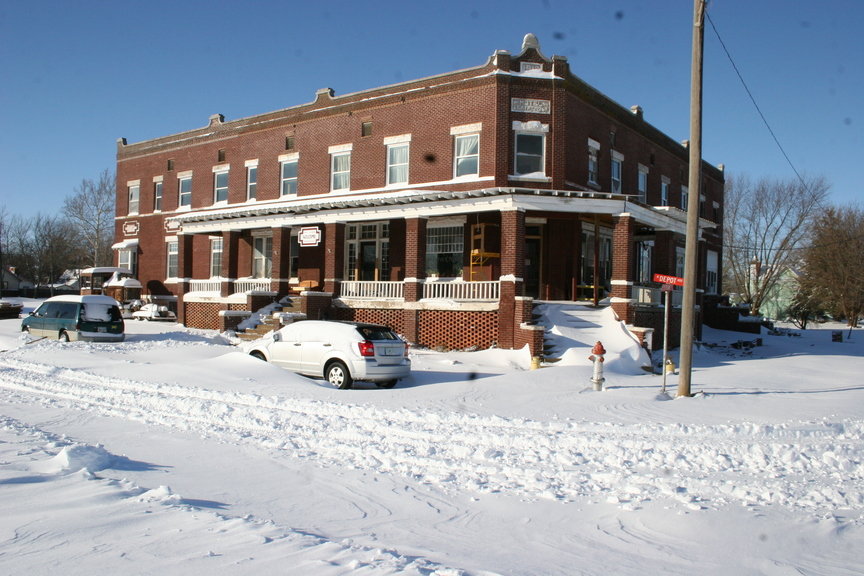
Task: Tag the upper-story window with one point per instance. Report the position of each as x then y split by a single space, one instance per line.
251 179
593 166
684 196
642 183
664 190
467 155
173 255
157 193
288 168
340 167
617 170
530 147
184 187
397 159
134 189
220 184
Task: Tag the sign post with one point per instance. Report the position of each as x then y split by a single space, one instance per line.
668 282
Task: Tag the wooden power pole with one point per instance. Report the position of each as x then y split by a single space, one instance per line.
691 247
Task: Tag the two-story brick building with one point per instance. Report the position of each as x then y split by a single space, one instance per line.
443 207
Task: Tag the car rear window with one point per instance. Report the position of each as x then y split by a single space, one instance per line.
377 333
101 312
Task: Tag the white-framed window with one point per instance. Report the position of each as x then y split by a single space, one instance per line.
262 256
684 196
134 189
530 148
467 156
642 183
397 162
617 171
157 194
184 189
215 257
644 255
340 171
251 179
712 268
445 246
593 166
173 258
288 173
664 190
127 258
220 185
367 249
679 261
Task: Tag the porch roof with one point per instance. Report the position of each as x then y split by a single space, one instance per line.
359 206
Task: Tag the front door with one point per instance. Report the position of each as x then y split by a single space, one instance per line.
368 261
533 261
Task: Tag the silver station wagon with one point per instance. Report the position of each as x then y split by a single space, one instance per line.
339 352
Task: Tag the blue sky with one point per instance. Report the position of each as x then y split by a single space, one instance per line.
77 75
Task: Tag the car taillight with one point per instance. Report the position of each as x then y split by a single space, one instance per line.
406 349
366 348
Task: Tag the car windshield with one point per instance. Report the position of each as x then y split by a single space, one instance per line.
101 312
377 333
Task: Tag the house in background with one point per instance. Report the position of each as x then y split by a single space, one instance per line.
443 207
13 285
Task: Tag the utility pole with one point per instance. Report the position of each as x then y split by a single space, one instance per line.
691 247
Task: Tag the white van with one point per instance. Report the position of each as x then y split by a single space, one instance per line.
90 318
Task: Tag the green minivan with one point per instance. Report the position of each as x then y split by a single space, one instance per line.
90 318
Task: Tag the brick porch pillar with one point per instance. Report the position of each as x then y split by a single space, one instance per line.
623 267
415 273
512 275
334 256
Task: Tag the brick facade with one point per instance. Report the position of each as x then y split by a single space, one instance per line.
460 133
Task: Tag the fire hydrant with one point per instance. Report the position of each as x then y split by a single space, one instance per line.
596 357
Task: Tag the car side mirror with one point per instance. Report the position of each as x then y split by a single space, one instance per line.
277 337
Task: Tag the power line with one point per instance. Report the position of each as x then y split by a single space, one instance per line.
753 99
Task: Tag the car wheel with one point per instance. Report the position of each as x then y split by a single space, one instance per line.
64 336
337 374
386 384
258 355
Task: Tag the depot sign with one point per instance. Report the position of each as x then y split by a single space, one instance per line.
672 280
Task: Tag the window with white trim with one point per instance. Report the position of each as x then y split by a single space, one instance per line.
467 155
617 170
173 258
684 197
679 261
642 183
712 268
262 256
184 188
340 171
664 190
397 163
157 195
134 197
127 258
289 176
215 257
220 186
445 246
251 179
530 154
644 256
593 166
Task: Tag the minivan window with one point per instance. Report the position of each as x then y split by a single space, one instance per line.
100 313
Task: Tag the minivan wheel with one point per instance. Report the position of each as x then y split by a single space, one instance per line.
337 374
258 355
64 336
386 384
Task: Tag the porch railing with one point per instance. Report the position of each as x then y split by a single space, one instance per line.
458 289
214 285
370 289
646 295
210 285
252 285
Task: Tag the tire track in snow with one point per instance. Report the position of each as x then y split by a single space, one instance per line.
815 465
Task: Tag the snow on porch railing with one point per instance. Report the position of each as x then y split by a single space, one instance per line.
210 285
369 289
458 289
244 285
653 296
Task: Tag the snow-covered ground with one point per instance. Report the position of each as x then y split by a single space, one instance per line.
174 453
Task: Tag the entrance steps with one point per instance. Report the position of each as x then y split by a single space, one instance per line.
268 319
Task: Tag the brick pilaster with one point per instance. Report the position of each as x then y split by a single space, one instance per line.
334 255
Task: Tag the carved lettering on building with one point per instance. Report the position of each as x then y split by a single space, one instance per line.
530 105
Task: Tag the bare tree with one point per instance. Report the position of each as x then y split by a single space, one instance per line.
52 249
766 225
91 210
833 262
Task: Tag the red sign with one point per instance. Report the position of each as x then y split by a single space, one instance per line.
664 279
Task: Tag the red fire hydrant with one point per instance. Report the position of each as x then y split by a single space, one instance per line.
596 357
